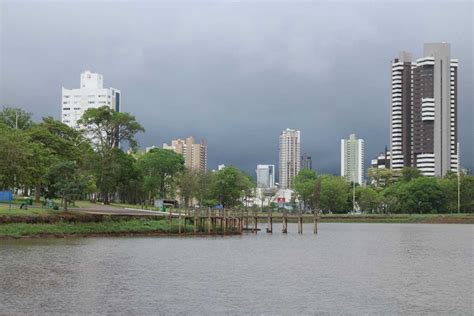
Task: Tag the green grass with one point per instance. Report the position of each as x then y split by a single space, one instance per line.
16 211
17 230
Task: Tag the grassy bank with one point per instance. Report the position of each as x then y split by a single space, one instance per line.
112 227
401 218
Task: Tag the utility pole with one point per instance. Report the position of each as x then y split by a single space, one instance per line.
353 193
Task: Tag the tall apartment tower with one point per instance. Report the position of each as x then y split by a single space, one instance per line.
306 162
265 176
424 111
289 157
195 155
352 159
91 94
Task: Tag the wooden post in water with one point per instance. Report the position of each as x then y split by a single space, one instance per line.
195 222
255 221
285 223
225 222
179 222
315 228
300 223
209 220
270 223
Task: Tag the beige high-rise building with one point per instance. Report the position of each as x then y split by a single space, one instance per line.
195 154
289 157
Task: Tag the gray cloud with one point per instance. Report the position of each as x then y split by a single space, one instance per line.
235 74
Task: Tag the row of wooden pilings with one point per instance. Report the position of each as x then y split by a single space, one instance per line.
225 221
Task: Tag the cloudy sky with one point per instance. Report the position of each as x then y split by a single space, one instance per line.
235 73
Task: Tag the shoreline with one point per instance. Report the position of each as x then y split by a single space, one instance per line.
71 225
122 234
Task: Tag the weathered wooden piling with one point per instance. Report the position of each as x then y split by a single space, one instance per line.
285 223
315 227
179 222
300 223
270 223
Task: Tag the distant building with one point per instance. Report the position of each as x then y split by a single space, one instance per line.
352 159
289 156
423 130
91 94
195 155
382 161
306 162
147 149
265 176
220 167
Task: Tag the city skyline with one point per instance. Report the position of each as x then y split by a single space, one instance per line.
289 80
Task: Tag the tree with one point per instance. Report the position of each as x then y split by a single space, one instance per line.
449 187
16 118
410 173
203 189
304 184
368 199
16 154
229 185
334 193
159 167
381 177
66 181
107 129
423 195
467 193
56 142
188 185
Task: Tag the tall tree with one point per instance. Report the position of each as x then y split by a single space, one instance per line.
410 173
303 184
16 118
66 181
229 186
368 199
56 142
107 129
187 182
159 167
334 193
16 152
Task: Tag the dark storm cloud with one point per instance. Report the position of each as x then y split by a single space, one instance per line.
235 74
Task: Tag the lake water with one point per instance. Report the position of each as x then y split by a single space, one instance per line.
345 269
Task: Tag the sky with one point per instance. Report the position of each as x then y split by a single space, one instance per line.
235 73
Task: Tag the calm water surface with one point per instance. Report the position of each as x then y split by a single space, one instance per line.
345 269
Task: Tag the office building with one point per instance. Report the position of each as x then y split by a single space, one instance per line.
289 157
306 162
265 176
90 94
382 161
352 159
423 130
195 155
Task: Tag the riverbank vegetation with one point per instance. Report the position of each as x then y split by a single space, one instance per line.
50 160
388 192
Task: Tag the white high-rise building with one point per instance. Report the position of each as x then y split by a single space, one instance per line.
352 159
289 157
91 94
265 176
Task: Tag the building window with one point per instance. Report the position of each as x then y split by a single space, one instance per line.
66 109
